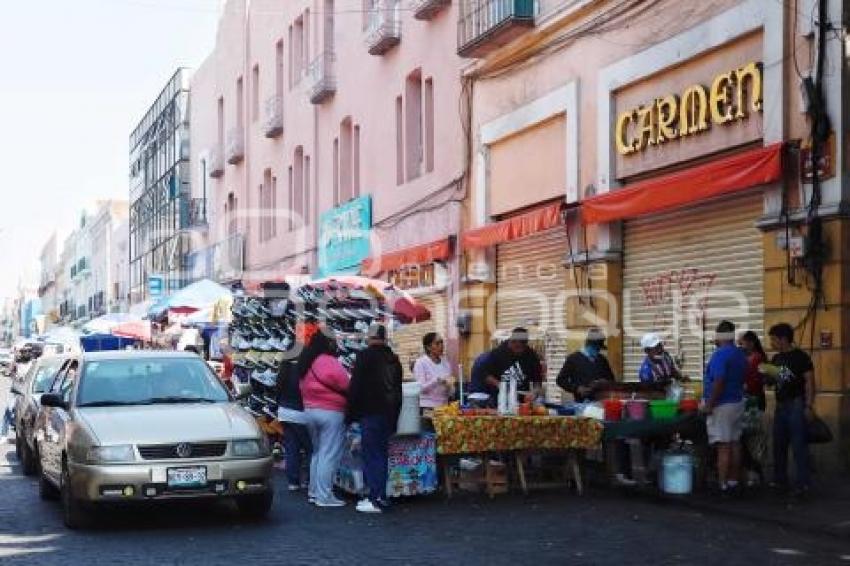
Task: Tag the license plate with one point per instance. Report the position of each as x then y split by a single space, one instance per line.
187 477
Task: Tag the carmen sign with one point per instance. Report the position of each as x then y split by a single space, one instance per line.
730 98
344 237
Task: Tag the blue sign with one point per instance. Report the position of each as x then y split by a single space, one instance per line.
156 286
344 237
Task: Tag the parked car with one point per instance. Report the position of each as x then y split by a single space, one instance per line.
6 362
134 426
28 391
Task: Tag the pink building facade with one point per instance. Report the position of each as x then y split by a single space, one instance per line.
306 105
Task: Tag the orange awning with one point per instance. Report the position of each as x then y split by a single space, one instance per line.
719 177
418 255
514 228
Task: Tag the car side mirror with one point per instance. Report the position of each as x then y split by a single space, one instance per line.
53 400
243 390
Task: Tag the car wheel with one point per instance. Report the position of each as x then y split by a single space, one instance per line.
75 513
46 490
255 506
25 455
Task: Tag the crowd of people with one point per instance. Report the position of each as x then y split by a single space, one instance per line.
319 398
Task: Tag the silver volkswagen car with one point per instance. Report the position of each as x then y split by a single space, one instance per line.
146 426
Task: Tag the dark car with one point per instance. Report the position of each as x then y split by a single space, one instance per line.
28 390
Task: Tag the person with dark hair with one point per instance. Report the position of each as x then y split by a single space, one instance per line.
290 412
324 388
723 402
375 402
794 378
754 442
513 354
433 373
587 369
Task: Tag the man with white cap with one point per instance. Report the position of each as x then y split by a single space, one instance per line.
658 365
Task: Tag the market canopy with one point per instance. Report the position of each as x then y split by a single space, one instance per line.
418 255
136 330
514 228
197 296
718 177
104 324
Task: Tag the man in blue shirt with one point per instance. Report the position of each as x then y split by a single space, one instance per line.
723 402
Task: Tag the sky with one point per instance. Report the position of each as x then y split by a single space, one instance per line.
76 76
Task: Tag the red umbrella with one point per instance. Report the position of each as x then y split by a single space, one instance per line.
403 306
137 329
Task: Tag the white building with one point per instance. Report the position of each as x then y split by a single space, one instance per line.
119 298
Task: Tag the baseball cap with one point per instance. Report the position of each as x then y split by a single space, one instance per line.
650 340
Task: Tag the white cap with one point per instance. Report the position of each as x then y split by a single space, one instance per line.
650 340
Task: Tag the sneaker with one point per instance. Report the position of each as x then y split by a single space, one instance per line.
296 487
366 506
624 481
330 503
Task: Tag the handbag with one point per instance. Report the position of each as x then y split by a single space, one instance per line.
817 431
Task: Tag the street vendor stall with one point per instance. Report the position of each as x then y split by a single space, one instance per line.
518 436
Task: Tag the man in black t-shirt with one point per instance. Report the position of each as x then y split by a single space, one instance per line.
794 379
513 352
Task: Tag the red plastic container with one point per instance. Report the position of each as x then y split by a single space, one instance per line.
689 406
613 409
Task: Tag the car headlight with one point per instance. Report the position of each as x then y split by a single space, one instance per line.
253 448
111 454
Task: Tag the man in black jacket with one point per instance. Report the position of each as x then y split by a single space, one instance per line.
587 369
374 400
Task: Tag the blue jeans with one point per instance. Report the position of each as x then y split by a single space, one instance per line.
327 433
375 442
789 428
296 438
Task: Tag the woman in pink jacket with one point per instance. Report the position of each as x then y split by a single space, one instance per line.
324 388
433 373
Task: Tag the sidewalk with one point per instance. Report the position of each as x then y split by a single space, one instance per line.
826 510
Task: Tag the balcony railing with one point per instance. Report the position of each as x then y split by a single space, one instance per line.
273 116
235 152
427 9
321 79
486 25
383 31
216 163
193 213
229 258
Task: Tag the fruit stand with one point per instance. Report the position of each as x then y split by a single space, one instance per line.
486 434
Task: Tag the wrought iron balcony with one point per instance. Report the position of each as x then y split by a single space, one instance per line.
273 116
216 163
235 151
321 78
383 30
427 9
486 25
193 213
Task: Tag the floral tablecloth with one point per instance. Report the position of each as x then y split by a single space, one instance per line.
412 465
472 434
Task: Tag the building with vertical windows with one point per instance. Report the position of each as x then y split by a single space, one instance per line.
161 207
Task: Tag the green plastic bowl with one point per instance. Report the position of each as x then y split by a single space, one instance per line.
663 410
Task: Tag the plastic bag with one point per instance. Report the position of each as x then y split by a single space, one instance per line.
817 431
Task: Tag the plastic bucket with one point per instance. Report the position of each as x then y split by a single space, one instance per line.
689 406
677 473
613 409
636 409
409 421
664 409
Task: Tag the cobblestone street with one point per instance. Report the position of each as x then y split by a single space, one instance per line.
546 528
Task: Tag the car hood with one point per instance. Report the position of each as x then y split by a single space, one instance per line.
165 424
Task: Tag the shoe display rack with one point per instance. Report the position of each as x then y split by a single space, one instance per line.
269 329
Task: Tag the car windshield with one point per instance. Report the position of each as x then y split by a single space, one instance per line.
44 374
149 381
